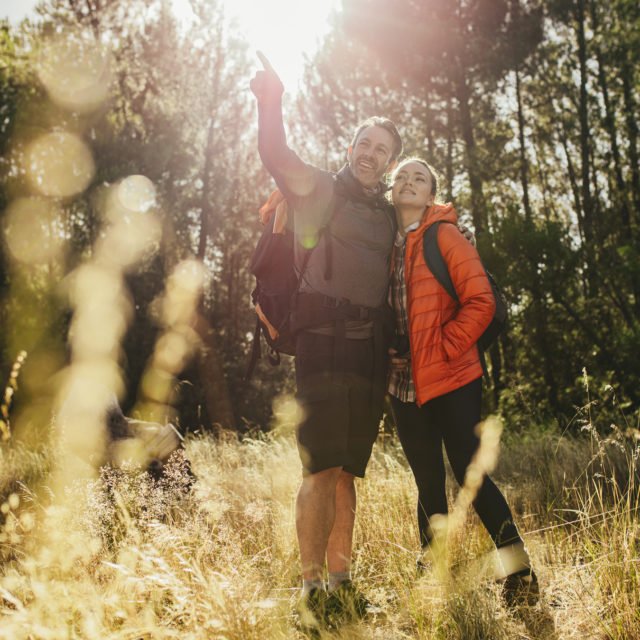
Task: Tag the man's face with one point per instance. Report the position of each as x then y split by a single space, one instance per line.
370 157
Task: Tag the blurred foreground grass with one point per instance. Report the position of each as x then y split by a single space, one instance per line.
123 557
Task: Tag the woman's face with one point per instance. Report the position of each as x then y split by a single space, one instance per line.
412 186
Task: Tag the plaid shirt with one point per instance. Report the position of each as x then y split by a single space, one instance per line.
400 383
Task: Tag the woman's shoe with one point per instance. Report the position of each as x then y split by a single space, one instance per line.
521 589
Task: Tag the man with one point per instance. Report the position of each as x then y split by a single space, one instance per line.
340 315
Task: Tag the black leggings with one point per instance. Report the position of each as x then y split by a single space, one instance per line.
449 419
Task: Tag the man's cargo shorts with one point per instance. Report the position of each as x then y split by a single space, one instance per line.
341 408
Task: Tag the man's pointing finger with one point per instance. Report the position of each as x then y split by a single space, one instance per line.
265 63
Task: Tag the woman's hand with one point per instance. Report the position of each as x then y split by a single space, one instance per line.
399 362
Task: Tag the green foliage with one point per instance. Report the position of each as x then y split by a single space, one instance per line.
495 89
528 109
176 114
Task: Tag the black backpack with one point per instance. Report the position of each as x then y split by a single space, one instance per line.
277 284
273 266
437 266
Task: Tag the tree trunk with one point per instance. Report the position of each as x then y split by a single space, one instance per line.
620 195
632 136
212 378
573 180
206 204
524 164
478 208
543 180
451 137
214 383
539 308
630 109
585 153
428 118
576 195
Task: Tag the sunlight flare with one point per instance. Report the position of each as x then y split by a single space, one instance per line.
76 71
33 231
285 30
59 164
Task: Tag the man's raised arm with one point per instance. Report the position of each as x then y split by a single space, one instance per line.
291 174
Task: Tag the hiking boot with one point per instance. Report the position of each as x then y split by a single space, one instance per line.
432 563
311 610
346 604
423 566
521 589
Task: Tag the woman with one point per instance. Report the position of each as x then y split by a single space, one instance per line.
436 375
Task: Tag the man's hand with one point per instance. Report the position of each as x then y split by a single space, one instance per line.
266 84
467 233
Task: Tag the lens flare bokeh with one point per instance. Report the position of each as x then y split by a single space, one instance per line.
130 207
76 71
177 343
33 230
136 194
59 164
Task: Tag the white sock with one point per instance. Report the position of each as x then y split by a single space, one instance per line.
308 585
337 578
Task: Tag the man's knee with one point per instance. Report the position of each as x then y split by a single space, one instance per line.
326 480
346 480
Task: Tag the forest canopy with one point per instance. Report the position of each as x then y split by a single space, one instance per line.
129 140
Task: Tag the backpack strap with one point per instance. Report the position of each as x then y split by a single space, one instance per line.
339 200
255 351
434 260
328 251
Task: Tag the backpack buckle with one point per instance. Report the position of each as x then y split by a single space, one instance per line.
333 303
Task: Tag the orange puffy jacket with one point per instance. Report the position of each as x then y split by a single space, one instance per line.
443 334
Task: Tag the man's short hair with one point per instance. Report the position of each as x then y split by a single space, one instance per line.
383 123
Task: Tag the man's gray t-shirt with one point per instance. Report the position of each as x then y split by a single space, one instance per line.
361 232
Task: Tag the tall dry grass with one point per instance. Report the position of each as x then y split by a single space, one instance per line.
124 557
